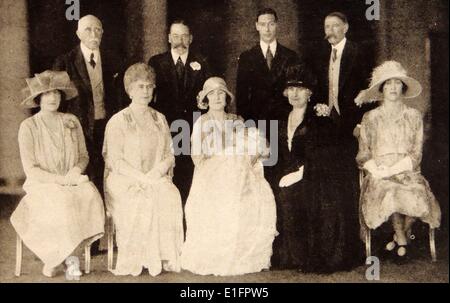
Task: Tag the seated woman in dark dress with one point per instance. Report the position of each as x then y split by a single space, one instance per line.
311 220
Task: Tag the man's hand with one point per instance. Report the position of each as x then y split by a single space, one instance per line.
357 131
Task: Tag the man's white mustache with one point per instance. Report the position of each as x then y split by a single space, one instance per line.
328 36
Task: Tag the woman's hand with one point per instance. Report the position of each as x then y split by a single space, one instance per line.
381 172
153 175
82 179
292 178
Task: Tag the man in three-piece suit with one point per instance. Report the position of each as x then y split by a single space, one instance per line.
342 72
94 72
261 73
180 74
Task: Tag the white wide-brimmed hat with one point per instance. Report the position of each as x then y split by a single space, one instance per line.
388 70
210 85
44 82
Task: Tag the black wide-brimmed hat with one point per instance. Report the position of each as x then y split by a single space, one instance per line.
300 76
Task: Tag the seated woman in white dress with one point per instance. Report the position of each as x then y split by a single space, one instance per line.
139 193
390 150
230 210
61 208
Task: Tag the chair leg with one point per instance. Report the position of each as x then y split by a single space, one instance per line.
110 243
368 244
432 246
18 256
87 259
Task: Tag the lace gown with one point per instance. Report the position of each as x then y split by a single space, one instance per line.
148 217
230 211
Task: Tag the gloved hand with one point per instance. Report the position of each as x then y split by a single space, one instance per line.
357 131
72 176
82 179
153 175
378 172
401 166
292 178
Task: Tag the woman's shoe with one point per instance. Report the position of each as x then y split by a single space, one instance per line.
49 272
401 251
391 245
402 256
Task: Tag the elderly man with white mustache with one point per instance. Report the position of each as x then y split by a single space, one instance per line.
95 72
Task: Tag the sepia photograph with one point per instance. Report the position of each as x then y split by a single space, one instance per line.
201 142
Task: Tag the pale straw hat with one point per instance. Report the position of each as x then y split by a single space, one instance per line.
210 85
388 70
45 82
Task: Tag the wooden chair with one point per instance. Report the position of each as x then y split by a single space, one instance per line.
110 235
19 255
368 232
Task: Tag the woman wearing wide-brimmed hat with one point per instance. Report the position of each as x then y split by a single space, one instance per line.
139 193
390 150
61 208
310 202
230 211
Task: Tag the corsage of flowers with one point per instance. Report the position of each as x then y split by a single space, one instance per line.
322 110
195 65
69 122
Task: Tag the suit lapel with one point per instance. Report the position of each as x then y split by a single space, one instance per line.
278 62
346 64
260 64
169 67
190 74
82 70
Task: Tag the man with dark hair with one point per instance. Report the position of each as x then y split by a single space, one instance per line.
261 73
180 74
342 72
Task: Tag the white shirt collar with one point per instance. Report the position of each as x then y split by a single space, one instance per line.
175 56
264 45
340 47
87 53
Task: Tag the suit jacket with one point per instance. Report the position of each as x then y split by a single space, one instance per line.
83 106
173 101
353 75
259 91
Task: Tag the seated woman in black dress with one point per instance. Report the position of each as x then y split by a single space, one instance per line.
310 220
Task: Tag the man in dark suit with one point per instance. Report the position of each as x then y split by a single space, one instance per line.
342 71
95 74
261 73
180 74
260 82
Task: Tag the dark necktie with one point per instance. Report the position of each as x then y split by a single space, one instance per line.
334 55
180 69
92 61
269 58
